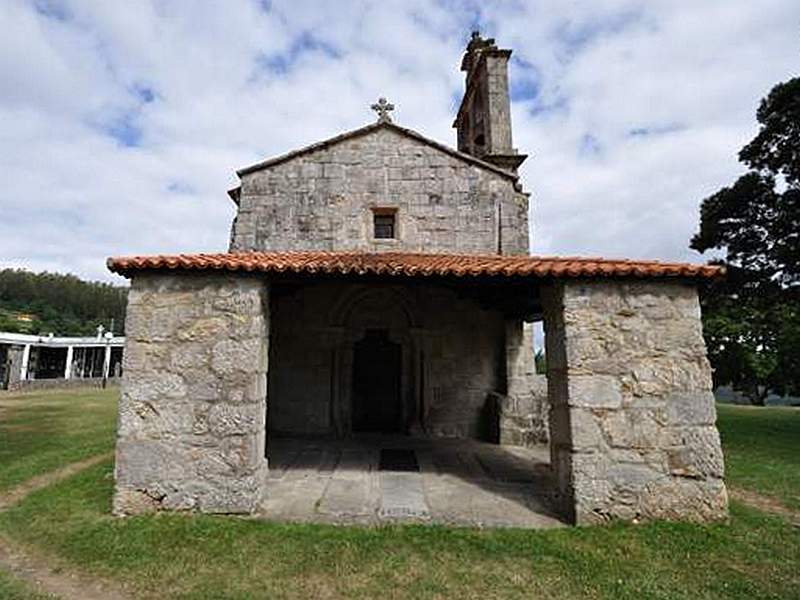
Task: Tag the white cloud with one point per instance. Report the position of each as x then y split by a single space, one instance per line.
122 123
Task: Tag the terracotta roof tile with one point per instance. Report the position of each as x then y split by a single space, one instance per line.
410 264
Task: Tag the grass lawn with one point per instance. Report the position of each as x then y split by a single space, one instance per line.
762 450
43 431
179 556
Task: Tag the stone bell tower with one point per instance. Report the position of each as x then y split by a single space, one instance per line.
484 117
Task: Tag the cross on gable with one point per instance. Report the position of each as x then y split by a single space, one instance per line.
383 107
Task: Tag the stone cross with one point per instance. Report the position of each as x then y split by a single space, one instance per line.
382 107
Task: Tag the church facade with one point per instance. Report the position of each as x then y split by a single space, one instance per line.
379 282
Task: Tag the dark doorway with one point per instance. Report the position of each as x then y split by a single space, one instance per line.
376 384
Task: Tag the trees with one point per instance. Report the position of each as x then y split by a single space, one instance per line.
61 304
752 319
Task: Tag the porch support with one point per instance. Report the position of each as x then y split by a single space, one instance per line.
14 373
68 363
106 361
192 410
26 358
523 409
632 418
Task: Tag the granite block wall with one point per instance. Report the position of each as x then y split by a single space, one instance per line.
632 415
498 103
324 200
523 409
191 428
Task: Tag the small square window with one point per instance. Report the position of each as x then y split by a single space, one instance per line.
384 225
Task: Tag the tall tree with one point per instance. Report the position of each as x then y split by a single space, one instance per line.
752 318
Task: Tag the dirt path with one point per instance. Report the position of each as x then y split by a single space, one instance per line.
17 494
35 570
765 503
46 579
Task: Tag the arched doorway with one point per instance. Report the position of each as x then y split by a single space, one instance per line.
376 361
377 403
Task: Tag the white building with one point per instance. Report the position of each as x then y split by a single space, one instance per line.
26 358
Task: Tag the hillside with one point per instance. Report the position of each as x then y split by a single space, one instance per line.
41 303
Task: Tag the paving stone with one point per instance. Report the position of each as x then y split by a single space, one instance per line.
354 492
402 496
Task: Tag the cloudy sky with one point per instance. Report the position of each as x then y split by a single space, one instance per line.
122 121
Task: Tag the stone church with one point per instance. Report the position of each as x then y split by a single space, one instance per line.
380 283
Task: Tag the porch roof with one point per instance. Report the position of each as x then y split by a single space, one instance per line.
404 264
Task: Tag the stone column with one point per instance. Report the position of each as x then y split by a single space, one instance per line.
192 417
13 377
499 103
26 357
68 363
106 361
523 410
632 419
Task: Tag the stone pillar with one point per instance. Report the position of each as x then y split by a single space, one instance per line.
14 366
632 420
192 416
499 102
26 357
106 361
523 410
68 363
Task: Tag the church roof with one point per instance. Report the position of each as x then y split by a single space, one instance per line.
401 264
369 129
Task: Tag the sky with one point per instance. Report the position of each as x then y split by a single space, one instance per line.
122 122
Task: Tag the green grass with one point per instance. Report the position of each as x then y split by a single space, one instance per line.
179 556
13 589
762 450
42 431
193 557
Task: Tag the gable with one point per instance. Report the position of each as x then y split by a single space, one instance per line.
331 196
372 130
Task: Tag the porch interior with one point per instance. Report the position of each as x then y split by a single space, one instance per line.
381 404
416 357
373 479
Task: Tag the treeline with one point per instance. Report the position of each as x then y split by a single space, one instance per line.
43 303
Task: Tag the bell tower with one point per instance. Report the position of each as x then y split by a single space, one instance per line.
483 121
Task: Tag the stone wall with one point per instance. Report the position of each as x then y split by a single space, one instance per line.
191 429
523 419
498 103
452 355
523 410
324 200
632 419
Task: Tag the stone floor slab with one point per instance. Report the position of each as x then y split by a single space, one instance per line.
460 482
402 496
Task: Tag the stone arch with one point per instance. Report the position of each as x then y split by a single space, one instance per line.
366 308
343 311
